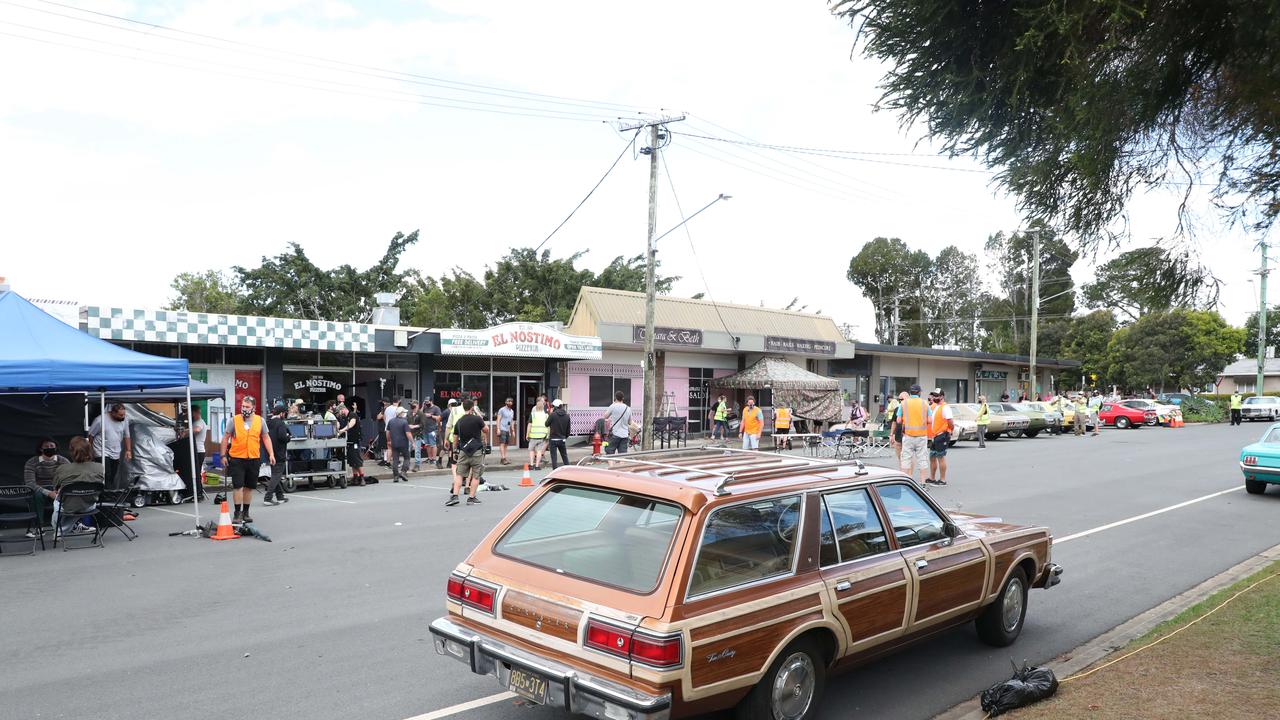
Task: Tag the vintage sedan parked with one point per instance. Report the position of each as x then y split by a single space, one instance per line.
679 582
965 420
1017 423
1260 462
1265 407
1001 422
1123 416
1164 413
1052 417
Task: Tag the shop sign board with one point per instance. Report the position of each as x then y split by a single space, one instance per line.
524 340
773 343
683 337
316 384
993 374
248 383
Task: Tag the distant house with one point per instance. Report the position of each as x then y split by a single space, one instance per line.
1242 376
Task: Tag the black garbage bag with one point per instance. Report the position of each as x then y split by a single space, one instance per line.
1028 685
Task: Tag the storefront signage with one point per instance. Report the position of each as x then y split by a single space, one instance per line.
799 345
248 384
526 340
993 374
684 337
317 384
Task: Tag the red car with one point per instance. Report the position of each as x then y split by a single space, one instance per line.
1122 416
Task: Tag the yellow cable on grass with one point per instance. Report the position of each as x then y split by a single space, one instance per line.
1175 632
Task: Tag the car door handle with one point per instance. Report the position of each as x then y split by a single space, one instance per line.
843 585
922 564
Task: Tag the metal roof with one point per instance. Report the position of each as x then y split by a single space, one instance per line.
877 349
1249 366
621 307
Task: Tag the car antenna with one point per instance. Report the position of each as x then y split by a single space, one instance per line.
862 469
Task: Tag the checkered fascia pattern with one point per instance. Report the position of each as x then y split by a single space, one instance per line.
173 326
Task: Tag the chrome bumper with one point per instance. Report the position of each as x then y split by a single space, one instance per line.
1266 473
567 687
1052 575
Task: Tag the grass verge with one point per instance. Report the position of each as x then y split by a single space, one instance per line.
1224 666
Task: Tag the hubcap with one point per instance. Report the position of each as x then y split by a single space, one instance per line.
1012 608
793 687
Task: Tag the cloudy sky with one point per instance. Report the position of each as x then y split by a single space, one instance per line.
132 152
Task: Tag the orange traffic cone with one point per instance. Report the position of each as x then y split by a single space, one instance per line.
525 480
225 531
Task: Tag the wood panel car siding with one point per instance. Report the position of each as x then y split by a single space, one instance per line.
600 606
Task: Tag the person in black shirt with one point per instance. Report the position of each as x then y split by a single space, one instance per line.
350 424
470 432
559 424
278 430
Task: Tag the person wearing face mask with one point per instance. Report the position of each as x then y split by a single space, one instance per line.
242 449
39 471
110 435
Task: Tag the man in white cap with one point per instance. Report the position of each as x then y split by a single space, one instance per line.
559 424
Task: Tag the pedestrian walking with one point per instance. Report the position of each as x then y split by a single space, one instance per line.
941 427
1237 402
559 424
453 414
242 448
470 446
752 425
781 426
109 433
416 419
983 420
400 440
720 420
618 420
895 429
506 428
354 433
913 419
537 432
278 431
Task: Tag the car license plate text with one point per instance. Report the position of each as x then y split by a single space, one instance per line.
528 685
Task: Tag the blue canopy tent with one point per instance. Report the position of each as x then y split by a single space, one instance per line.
41 354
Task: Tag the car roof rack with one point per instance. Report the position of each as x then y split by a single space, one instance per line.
729 465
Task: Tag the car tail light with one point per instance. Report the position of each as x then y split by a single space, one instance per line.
454 589
655 651
1250 460
659 652
478 595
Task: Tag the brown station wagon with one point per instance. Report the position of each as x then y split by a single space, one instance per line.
671 583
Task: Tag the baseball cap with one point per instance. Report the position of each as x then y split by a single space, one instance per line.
298 401
915 389
453 401
937 391
279 408
557 402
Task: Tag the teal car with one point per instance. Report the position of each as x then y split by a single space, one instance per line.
1260 462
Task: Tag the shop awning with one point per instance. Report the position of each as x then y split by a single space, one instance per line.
808 394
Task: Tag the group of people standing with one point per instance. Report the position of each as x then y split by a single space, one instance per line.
920 431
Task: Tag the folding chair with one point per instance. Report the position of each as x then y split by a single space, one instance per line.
114 504
77 502
18 504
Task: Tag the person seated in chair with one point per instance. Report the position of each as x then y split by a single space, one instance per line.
82 468
38 475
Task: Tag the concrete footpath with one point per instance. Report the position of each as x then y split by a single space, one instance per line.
1099 648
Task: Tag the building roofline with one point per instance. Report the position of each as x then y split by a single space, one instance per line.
876 348
587 290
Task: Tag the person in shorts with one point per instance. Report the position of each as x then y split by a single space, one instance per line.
242 447
352 431
506 428
430 429
941 427
469 431
911 423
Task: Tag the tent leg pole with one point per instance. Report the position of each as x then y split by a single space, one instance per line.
195 471
102 414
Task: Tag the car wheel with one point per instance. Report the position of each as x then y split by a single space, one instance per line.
792 687
1031 433
1015 433
952 443
1122 422
1001 622
993 436
1254 487
140 500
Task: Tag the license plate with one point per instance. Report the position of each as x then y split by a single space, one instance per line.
528 685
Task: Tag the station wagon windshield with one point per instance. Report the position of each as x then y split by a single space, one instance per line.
1260 400
605 536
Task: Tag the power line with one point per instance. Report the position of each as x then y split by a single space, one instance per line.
837 154
458 85
692 251
591 191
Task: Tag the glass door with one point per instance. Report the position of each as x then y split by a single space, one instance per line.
505 386
529 390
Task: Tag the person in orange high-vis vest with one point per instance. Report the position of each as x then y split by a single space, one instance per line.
781 426
941 426
913 417
752 425
242 452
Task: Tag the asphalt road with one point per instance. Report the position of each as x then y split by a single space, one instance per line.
330 619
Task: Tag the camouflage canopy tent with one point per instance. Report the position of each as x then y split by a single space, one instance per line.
809 395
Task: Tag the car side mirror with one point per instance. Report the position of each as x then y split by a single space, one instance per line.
950 529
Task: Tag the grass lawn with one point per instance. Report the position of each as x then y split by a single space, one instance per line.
1226 666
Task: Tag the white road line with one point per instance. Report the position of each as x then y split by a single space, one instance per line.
430 487
309 497
173 512
463 707
1144 516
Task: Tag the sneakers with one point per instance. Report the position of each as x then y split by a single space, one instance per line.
282 499
473 500
417 468
453 500
235 518
81 528
270 501
245 517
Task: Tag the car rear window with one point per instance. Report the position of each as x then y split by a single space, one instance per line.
605 536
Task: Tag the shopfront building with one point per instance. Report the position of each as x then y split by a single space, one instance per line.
696 341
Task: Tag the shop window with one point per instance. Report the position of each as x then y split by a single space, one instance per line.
956 390
243 356
201 354
402 361
600 390
161 349
337 359
372 361
448 386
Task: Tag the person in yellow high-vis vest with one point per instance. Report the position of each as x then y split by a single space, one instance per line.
720 420
913 418
538 432
1237 402
242 452
781 427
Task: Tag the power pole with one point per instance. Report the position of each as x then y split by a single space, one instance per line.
896 320
658 137
1035 303
1262 319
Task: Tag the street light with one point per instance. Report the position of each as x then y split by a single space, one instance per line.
650 300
